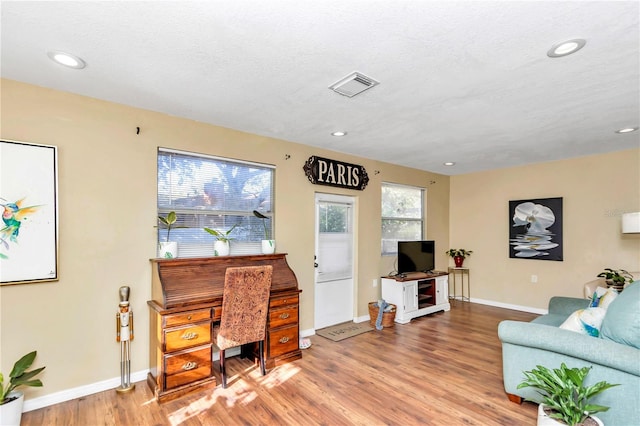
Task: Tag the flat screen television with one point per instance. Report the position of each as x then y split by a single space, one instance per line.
416 256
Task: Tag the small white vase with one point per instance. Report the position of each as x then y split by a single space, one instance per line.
545 420
268 246
11 412
168 250
221 248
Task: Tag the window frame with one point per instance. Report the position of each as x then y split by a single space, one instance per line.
383 218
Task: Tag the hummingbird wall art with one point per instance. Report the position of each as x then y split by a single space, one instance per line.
13 217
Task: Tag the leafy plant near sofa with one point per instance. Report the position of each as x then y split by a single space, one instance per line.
19 376
617 276
563 391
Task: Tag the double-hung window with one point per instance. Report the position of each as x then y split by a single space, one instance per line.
402 215
216 193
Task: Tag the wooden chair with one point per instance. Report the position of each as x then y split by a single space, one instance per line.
245 302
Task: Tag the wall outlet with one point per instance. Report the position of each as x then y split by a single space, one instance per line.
534 278
375 282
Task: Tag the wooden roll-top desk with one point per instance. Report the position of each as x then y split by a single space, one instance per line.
185 311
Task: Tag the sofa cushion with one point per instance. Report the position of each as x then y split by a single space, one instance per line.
585 321
622 321
602 297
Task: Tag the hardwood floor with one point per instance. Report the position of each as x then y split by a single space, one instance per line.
441 369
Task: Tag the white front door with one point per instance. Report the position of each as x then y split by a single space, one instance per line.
334 289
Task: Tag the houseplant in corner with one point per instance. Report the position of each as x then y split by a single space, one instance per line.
221 246
459 255
565 397
11 401
168 248
268 245
616 278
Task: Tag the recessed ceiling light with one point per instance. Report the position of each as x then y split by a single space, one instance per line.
67 59
449 163
627 130
566 48
339 134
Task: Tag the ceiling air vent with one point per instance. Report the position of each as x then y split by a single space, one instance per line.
353 84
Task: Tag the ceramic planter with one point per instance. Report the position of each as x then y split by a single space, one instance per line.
545 420
11 412
268 246
168 250
221 248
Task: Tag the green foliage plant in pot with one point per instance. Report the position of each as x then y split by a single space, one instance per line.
221 246
268 245
168 248
616 278
11 401
564 395
459 255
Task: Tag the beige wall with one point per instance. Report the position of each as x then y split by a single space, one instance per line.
107 207
596 190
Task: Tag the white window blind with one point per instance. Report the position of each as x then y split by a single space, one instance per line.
216 193
402 215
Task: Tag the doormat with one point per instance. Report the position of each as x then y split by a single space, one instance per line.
345 330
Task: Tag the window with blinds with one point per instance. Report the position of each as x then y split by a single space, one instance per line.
402 215
216 193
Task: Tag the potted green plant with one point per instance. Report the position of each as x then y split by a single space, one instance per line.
565 397
168 248
11 401
459 255
221 246
268 245
616 278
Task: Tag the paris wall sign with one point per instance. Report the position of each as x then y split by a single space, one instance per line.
323 171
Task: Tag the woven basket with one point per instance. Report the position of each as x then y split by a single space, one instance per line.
388 318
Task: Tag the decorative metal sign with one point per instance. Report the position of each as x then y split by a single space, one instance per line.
323 171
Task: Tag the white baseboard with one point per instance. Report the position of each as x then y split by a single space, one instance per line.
510 306
69 394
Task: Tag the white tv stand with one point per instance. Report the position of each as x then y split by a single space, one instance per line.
417 294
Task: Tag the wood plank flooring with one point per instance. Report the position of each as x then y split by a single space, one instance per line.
441 369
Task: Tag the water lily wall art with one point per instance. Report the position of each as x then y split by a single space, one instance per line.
28 202
535 229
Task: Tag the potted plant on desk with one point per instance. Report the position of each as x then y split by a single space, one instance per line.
459 255
221 246
268 245
11 401
168 248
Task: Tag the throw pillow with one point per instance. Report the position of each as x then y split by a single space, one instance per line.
603 297
585 321
622 322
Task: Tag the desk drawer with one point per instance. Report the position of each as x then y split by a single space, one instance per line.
187 317
184 337
283 341
188 366
283 301
284 316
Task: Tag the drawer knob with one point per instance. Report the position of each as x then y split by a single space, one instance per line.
284 315
189 336
189 318
189 365
284 339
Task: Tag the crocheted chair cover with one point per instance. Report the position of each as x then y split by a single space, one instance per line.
245 302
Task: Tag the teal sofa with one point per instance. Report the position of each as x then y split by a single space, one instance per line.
614 356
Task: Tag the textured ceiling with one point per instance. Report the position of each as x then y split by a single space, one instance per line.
468 82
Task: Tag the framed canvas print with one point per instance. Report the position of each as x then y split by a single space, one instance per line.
535 229
29 205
